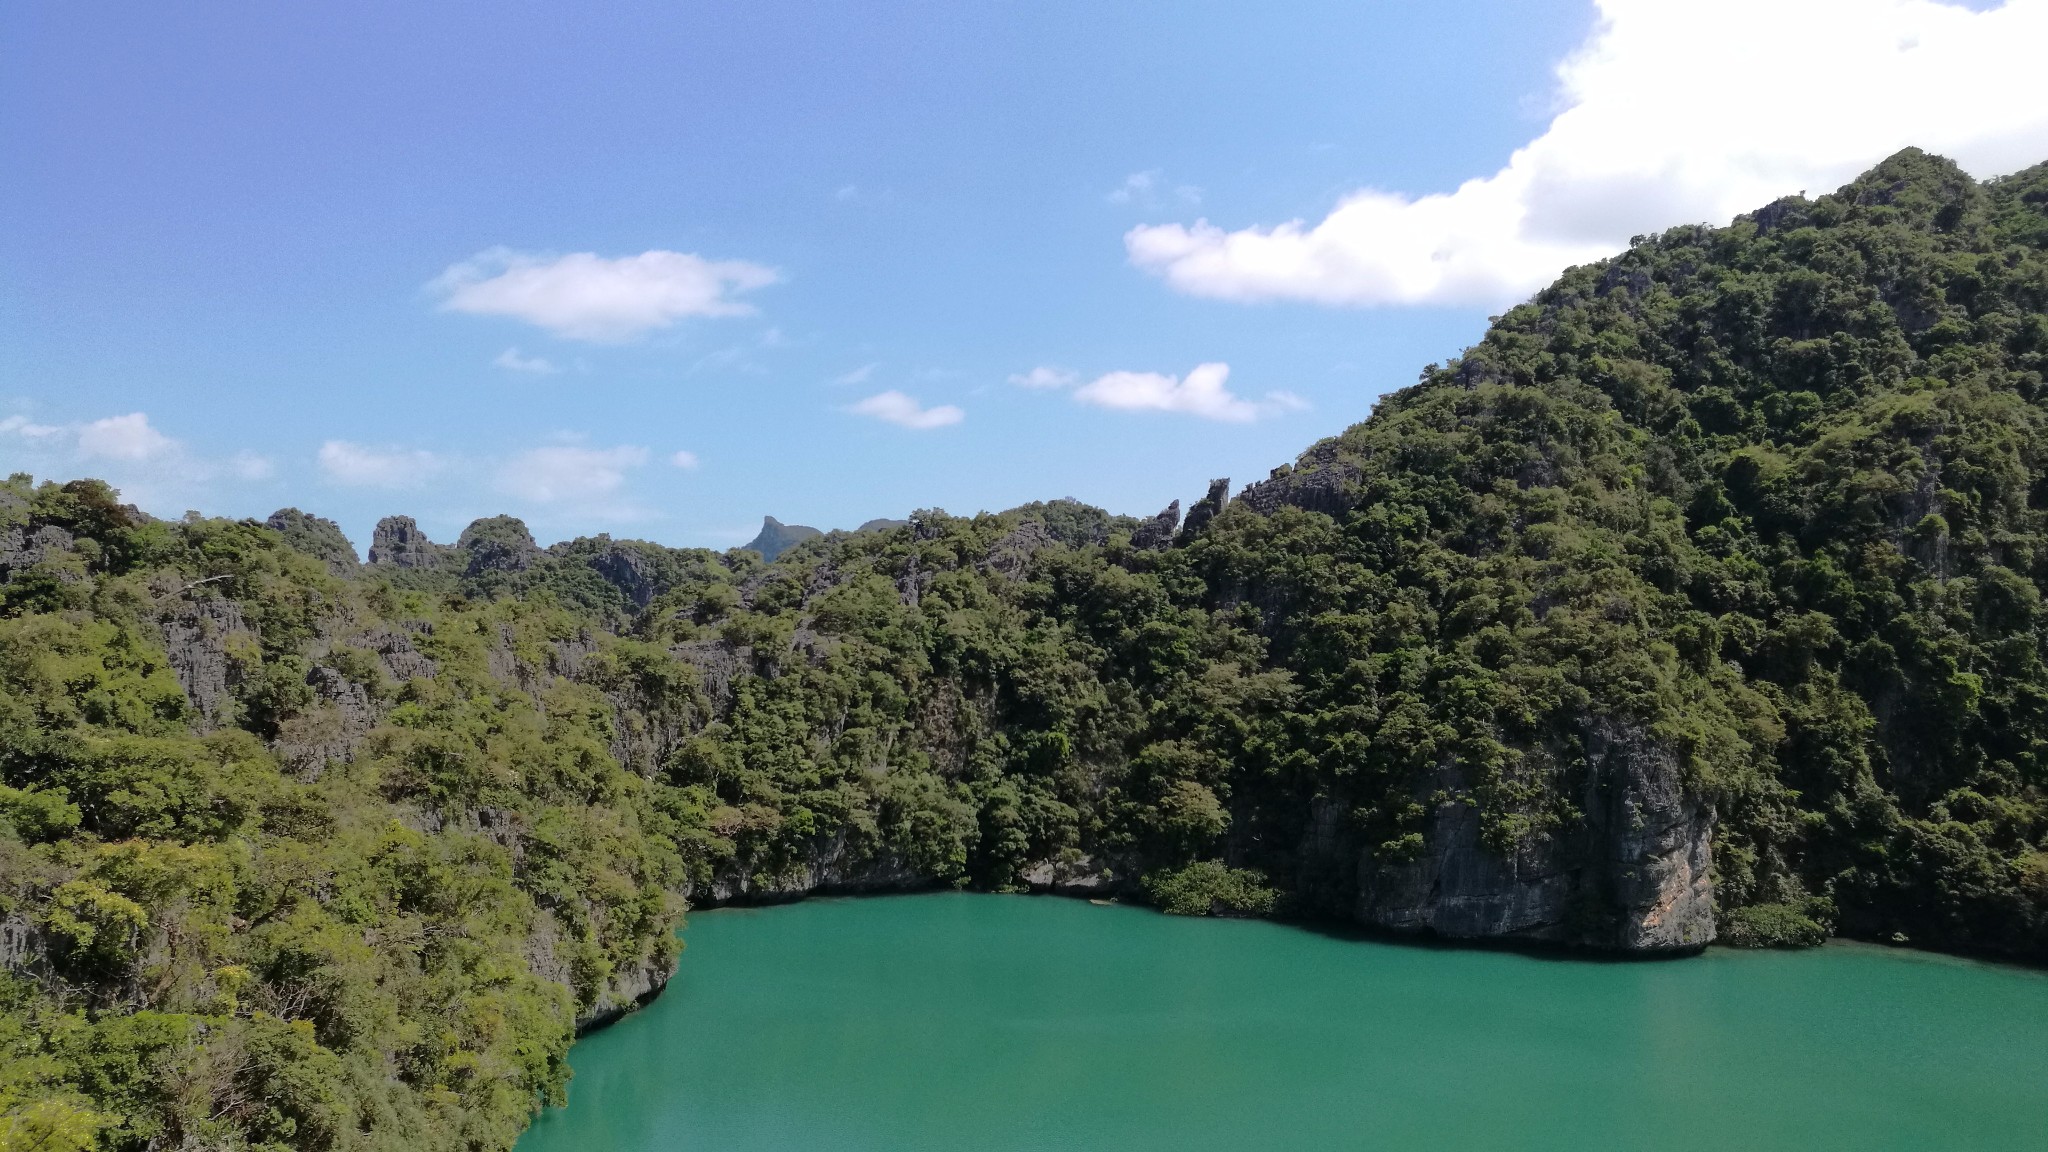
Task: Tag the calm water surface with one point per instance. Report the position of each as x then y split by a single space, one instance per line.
997 1023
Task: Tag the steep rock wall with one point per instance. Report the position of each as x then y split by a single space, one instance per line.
1634 877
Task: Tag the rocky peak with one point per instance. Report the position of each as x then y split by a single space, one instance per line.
316 536
1206 508
497 544
1323 480
1158 531
399 543
1929 191
777 537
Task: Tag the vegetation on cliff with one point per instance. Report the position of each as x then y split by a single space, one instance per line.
299 853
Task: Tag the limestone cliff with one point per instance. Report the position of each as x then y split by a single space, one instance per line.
1634 877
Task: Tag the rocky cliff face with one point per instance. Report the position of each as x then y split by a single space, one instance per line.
399 542
198 636
1320 482
1205 509
833 865
1634 877
626 990
1158 531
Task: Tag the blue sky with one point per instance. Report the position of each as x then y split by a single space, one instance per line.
660 269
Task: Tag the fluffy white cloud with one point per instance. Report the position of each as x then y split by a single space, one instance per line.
1201 392
1673 112
569 473
896 408
29 430
127 437
512 360
360 466
150 468
1045 376
584 296
860 375
685 460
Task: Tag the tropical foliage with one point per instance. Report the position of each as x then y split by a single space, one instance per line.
297 853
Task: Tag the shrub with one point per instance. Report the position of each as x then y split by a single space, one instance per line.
1773 926
1210 888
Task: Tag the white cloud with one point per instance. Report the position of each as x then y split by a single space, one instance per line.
563 473
359 466
1673 112
1044 376
1148 190
685 460
896 408
28 429
150 468
250 466
860 375
512 360
584 296
1201 393
127 437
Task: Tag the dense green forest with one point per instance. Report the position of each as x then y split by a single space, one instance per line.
1702 596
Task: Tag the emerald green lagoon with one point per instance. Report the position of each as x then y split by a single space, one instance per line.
965 1023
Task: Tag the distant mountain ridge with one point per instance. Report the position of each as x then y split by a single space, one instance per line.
776 537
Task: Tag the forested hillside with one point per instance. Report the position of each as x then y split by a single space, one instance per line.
1702 597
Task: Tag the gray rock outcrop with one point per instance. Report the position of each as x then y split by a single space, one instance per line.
22 548
1205 509
1321 481
833 864
197 636
1011 555
630 571
1633 877
497 544
399 543
1158 531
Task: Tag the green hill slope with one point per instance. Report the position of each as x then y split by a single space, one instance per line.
1702 597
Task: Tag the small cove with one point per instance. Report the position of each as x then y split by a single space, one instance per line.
998 1023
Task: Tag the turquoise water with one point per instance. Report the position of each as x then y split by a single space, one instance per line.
993 1023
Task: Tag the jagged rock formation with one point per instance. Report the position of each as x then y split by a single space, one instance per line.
1159 530
497 544
24 548
1321 481
198 635
1205 509
1012 554
776 537
399 543
629 569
